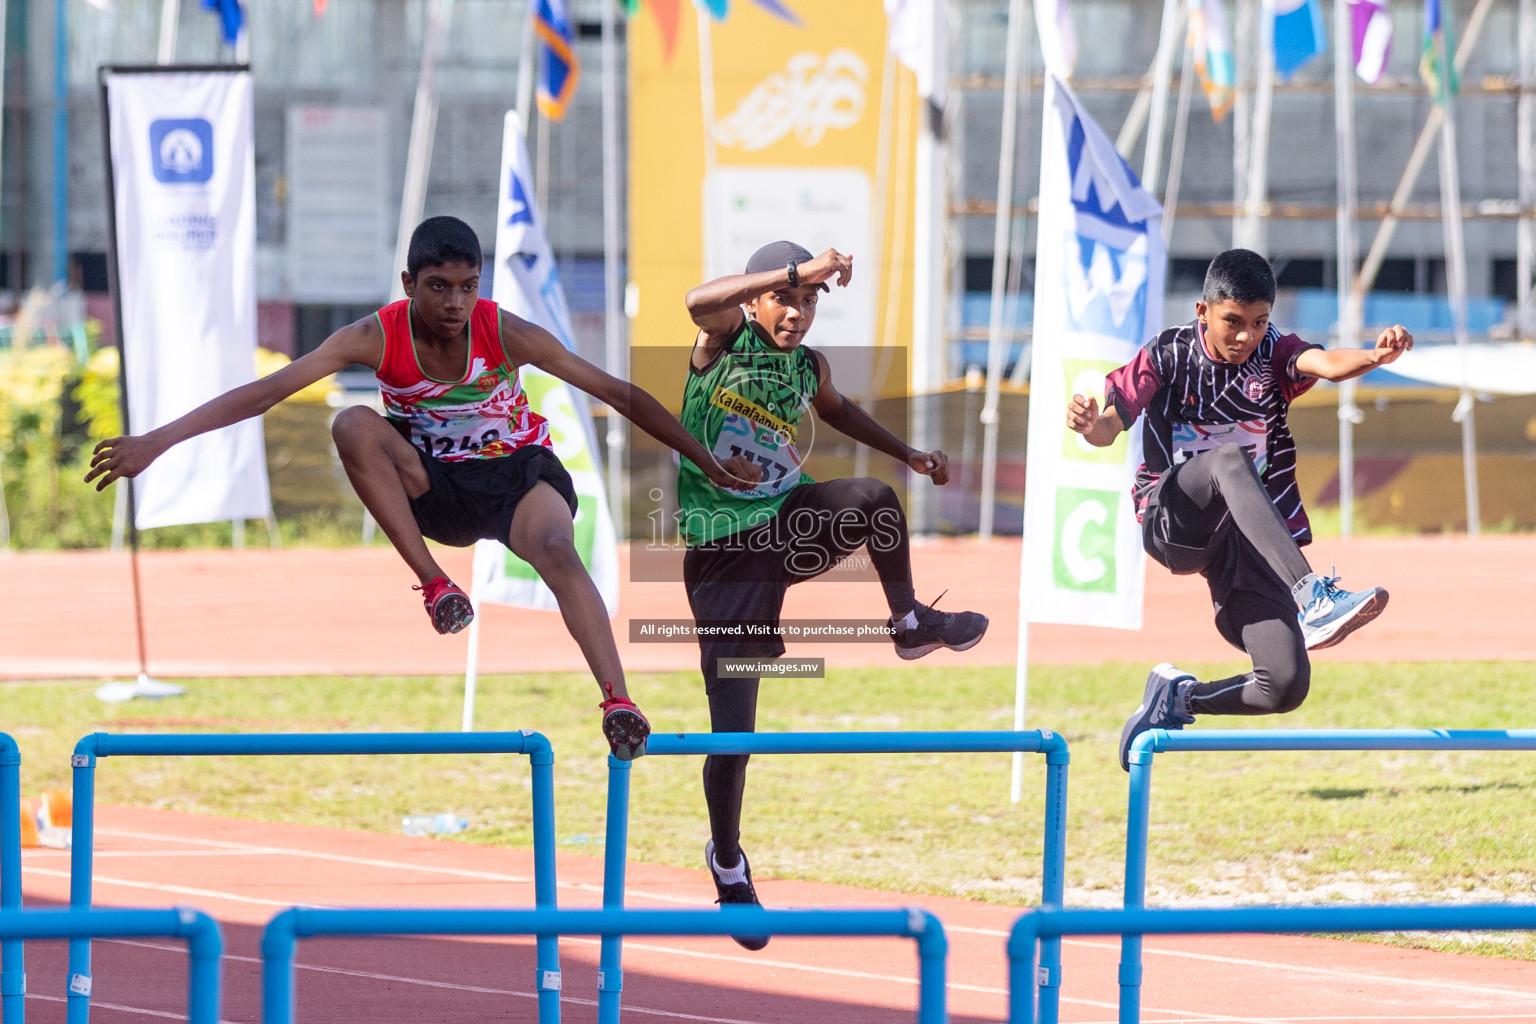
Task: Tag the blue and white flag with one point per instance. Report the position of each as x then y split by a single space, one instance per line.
1099 269
1299 34
231 18
559 68
527 283
181 149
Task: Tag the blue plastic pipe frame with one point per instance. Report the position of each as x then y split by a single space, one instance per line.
1036 925
283 931
610 976
98 745
13 972
1157 741
204 944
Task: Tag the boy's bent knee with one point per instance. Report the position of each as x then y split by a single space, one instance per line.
356 426
1282 691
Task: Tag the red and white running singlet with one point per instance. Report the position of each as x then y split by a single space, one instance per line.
482 415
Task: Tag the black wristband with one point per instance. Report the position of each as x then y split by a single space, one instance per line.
794 274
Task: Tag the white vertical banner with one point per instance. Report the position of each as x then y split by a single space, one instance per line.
527 283
182 164
1099 270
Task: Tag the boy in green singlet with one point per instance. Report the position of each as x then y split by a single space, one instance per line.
751 383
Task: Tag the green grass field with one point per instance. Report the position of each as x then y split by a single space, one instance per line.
1226 828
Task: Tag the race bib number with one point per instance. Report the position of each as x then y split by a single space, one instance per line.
770 450
1193 438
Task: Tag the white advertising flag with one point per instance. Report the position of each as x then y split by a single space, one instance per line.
184 173
527 284
1099 270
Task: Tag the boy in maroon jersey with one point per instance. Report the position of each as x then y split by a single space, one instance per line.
460 456
1217 491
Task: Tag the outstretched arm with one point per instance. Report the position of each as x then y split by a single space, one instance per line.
1348 363
837 412
529 343
130 455
716 305
1099 428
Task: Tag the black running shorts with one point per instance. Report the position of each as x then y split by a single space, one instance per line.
476 499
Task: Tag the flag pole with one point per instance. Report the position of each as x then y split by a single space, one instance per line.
144 685
1348 253
1257 190
1180 144
615 351
1162 70
1242 128
418 156
1525 161
1456 276
1017 28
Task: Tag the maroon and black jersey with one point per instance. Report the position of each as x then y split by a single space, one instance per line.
1194 402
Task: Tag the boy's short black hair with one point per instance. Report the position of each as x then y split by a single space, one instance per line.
1239 275
440 240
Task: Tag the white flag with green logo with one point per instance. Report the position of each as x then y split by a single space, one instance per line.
527 283
1099 269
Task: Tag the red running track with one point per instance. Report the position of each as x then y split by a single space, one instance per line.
244 872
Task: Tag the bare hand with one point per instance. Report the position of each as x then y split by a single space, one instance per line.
119 457
737 473
1082 413
934 465
825 267
1394 341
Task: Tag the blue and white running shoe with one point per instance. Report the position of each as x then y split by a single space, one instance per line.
1159 708
1328 613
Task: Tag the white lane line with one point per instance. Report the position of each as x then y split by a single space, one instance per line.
119 1007
1351 975
460 872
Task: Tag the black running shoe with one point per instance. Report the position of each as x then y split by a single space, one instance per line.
736 892
1158 708
959 631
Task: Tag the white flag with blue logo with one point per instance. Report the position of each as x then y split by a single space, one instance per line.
186 243
1099 269
526 282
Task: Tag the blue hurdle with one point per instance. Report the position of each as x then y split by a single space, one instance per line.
281 934
13 972
98 745
204 944
1156 741
1037 925
610 977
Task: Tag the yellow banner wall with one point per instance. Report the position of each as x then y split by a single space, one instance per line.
795 153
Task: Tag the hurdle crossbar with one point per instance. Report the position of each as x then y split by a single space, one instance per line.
1036 925
1156 741
99 745
610 976
279 938
204 944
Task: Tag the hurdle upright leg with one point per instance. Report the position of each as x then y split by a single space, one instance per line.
1053 879
13 973
610 974
1136 820
82 838
544 892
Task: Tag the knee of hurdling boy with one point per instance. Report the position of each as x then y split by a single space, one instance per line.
1234 454
1282 688
352 425
555 552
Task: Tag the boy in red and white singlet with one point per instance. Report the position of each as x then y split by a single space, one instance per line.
459 455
